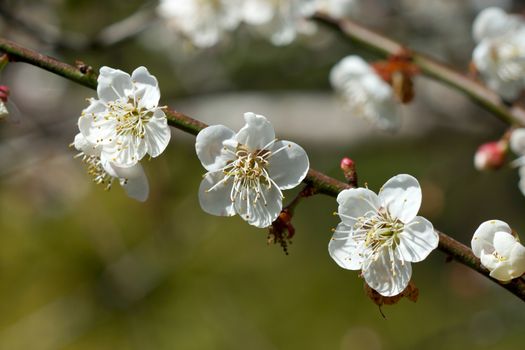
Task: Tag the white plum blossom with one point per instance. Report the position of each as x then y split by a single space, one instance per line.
132 179
201 21
126 121
279 20
499 250
500 54
248 170
364 92
381 234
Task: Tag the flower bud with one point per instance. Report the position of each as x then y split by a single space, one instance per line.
490 155
348 168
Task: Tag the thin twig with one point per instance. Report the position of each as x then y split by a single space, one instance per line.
384 46
319 181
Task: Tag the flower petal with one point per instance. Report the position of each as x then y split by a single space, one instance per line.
483 239
257 133
517 141
355 203
502 271
113 84
289 165
125 152
349 68
264 211
345 251
504 243
209 146
134 181
385 277
83 145
517 260
148 84
417 240
489 261
401 196
158 134
216 201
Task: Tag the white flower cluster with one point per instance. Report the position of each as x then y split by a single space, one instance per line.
499 250
517 145
500 52
381 235
120 127
365 93
204 22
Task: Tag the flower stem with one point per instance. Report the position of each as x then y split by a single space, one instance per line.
384 46
318 181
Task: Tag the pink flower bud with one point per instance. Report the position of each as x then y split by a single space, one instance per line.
4 93
490 155
348 168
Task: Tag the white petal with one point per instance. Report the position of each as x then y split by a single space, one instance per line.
493 22
504 243
217 201
289 166
355 203
350 67
126 151
517 141
517 260
257 12
257 133
345 251
483 239
134 182
502 271
386 278
489 260
401 196
149 85
417 240
260 213
158 134
209 146
113 84
83 145
96 129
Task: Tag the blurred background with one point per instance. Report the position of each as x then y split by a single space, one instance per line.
83 268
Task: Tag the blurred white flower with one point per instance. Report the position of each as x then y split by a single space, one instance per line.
365 93
498 250
248 170
336 8
500 54
126 121
279 20
4 95
201 21
3 110
517 145
132 179
381 234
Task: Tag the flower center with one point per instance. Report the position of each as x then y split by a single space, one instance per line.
249 174
131 119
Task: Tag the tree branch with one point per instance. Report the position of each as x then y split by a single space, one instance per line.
384 46
319 181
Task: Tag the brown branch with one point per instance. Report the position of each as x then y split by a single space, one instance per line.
384 46
320 182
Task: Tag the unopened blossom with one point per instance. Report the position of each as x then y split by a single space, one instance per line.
500 54
279 20
248 170
201 21
490 155
126 121
364 93
499 250
104 172
381 234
